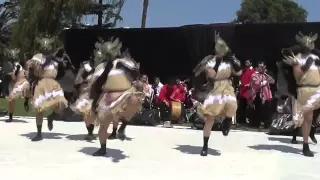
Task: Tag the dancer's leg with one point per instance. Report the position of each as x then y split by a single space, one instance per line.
306 126
294 136
90 128
209 121
103 134
11 110
133 106
113 135
39 120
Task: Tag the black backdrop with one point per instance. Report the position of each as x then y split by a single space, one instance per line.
168 52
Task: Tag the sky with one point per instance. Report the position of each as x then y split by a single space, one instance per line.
171 13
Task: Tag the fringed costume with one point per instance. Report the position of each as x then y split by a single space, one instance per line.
47 93
85 78
305 62
118 97
220 100
19 84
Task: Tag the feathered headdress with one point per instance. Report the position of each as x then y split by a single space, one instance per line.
99 56
45 41
221 47
307 40
112 47
12 54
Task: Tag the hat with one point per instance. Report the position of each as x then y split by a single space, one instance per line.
221 47
45 41
306 41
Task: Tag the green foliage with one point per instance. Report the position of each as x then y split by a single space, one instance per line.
44 16
109 10
52 16
271 11
8 15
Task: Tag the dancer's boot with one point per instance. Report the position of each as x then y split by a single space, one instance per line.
38 137
102 151
294 136
204 151
306 150
121 131
312 133
226 125
113 135
50 121
10 118
90 136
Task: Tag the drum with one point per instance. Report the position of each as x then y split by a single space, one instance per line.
176 111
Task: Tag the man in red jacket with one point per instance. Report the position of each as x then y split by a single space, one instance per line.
170 92
244 91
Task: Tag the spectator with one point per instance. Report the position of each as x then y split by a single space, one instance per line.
260 96
244 91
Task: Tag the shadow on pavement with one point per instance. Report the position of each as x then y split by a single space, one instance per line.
281 148
188 149
45 135
15 121
78 137
115 155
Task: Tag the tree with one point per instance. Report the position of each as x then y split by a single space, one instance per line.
49 16
8 15
108 12
144 13
270 11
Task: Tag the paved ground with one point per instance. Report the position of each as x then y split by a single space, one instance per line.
150 153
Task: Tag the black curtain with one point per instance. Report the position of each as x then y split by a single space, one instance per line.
168 52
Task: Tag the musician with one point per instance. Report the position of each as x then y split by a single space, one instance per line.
305 64
245 87
170 92
148 91
157 86
260 96
220 100
47 93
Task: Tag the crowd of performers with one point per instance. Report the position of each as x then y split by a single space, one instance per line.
108 90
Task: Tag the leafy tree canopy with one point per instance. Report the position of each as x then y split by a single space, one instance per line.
270 11
49 16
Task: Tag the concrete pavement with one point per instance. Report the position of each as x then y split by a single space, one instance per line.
150 153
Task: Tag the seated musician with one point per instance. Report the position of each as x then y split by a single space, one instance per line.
147 89
170 92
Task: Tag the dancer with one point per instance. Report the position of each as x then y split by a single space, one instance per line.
86 76
305 65
47 93
313 129
221 100
118 97
19 84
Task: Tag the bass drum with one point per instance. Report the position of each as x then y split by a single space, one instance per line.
176 111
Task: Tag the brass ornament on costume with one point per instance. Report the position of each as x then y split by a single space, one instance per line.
202 65
306 41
